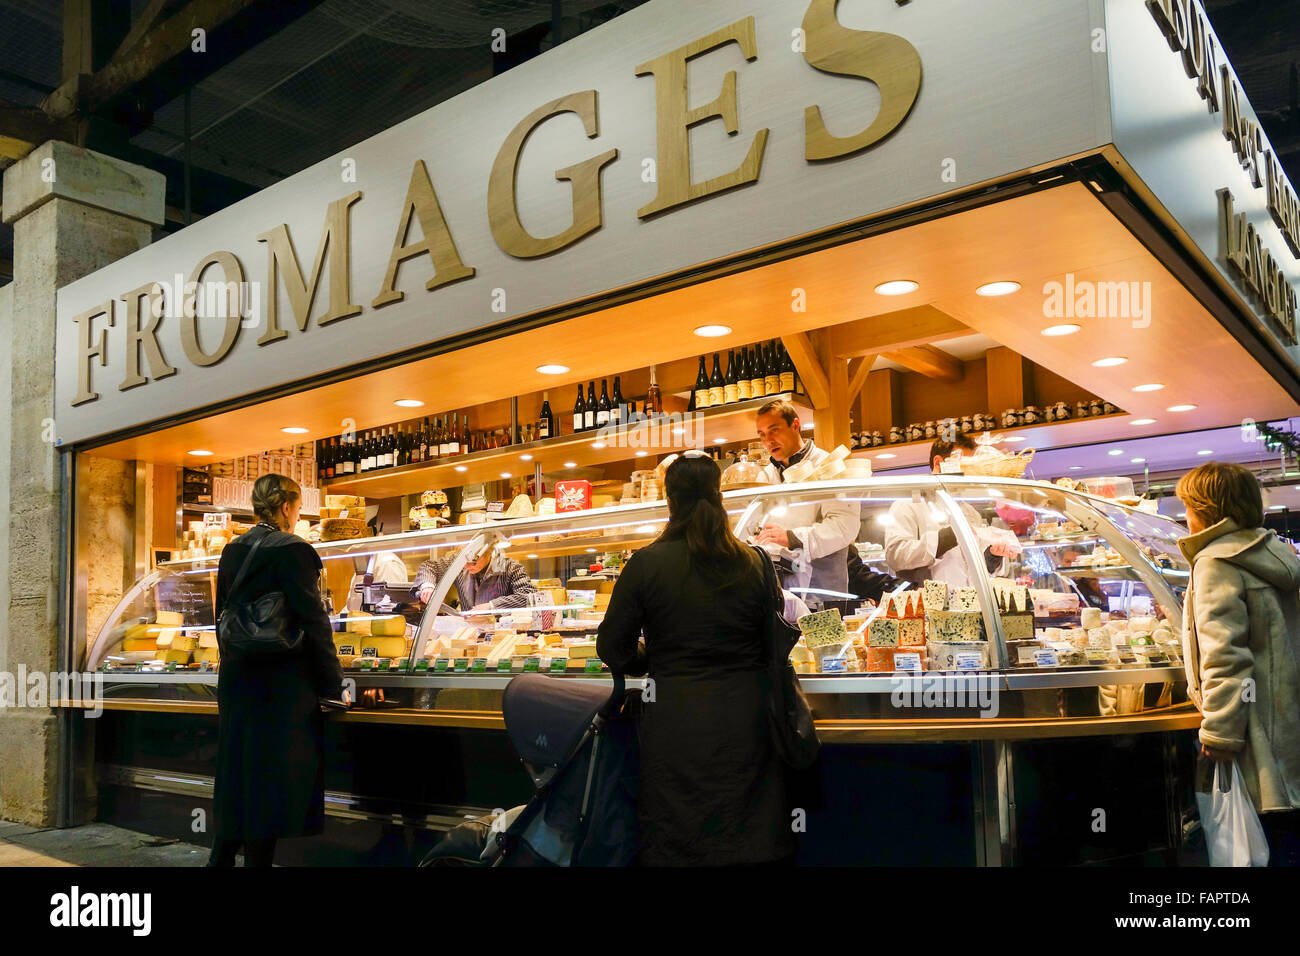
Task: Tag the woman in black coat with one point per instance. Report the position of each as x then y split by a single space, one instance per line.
712 786
270 780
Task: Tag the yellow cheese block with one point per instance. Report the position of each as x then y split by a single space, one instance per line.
558 595
385 646
342 512
345 501
525 648
133 645
170 618
207 639
602 600
207 655
358 622
582 649
388 626
347 645
174 640
341 529
174 657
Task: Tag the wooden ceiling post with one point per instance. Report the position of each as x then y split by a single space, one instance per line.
1006 379
883 401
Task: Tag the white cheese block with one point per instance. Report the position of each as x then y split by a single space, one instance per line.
1090 617
955 626
345 501
944 654
936 595
963 599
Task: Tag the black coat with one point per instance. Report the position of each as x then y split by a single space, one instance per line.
270 779
712 787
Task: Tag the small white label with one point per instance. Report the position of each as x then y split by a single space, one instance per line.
543 663
343 512
968 661
907 662
1046 657
832 665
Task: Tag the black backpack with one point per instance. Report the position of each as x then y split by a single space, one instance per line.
259 629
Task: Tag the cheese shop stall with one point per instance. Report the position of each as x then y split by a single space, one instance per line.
979 711
526 298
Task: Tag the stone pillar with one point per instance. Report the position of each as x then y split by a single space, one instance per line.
73 211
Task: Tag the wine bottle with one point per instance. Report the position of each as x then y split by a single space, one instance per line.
771 372
464 435
602 407
617 405
743 390
756 387
325 458
701 390
717 385
367 454
654 402
390 448
545 421
400 447
589 409
731 390
786 371
579 413
440 437
346 462
453 440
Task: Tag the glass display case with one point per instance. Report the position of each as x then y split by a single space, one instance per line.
1047 593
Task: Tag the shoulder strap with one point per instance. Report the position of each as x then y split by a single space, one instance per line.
248 563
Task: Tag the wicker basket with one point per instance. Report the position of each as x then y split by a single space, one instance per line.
1008 466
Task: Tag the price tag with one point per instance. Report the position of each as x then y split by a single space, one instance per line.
1096 656
421 665
907 662
1046 657
832 665
440 666
533 664
462 665
559 664
503 665
478 665
397 665
968 661
171 667
592 666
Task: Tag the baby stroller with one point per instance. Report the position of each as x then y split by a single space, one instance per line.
579 747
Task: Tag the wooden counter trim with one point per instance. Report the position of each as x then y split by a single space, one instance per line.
838 731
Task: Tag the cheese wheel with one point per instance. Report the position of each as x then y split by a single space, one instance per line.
358 622
341 529
345 501
388 626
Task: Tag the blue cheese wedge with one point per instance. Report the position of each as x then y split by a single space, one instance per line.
963 599
884 632
955 626
936 595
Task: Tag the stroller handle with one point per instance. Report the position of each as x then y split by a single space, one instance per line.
615 702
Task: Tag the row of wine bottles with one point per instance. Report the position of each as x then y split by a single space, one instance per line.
408 443
752 372
612 410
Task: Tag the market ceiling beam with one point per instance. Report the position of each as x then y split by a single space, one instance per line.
858 378
804 355
163 61
919 325
24 128
928 361
148 17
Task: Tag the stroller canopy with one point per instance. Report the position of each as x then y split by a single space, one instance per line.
547 717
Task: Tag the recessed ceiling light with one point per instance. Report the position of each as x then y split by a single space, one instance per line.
506 474
1143 421
1206 451
1180 408
719 441
1276 507
1137 461
1076 467
530 555
461 468
886 454
1149 387
293 430
598 444
1015 438
712 331
1115 451
570 464
642 454
591 550
1108 362
897 287
199 452
1065 329
409 403
998 288
525 457
552 369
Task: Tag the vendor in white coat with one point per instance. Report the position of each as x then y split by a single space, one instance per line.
822 531
920 545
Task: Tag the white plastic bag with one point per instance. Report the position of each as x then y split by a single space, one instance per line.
1233 834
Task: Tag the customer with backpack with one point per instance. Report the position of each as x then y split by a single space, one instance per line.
1241 644
277 662
712 788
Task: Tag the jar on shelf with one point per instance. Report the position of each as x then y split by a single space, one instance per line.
1010 418
1030 415
929 430
895 434
1108 409
876 440
1081 410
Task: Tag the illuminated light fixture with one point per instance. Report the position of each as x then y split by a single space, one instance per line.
1205 451
570 464
525 457
886 455
679 430
1115 451
591 550
884 520
1109 362
646 529
409 403
1276 507
712 331
998 288
642 454
506 474
552 369
461 468
1137 461
806 427
294 430
897 287
1180 408
719 441
1143 421
1149 387
1076 467
199 452
530 556
1065 329
1015 438
598 444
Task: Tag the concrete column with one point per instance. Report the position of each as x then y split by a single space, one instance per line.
73 211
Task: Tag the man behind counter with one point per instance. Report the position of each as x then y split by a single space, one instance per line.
483 585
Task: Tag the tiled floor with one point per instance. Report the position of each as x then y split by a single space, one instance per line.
95 844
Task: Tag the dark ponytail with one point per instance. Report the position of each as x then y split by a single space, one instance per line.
696 515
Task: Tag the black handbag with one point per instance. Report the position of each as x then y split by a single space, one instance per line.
791 719
258 629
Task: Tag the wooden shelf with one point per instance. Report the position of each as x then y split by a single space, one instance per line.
233 512
1072 431
521 545
731 423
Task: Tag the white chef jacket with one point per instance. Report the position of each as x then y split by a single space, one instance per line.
825 529
912 540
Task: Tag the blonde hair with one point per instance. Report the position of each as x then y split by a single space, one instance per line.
271 493
1218 490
